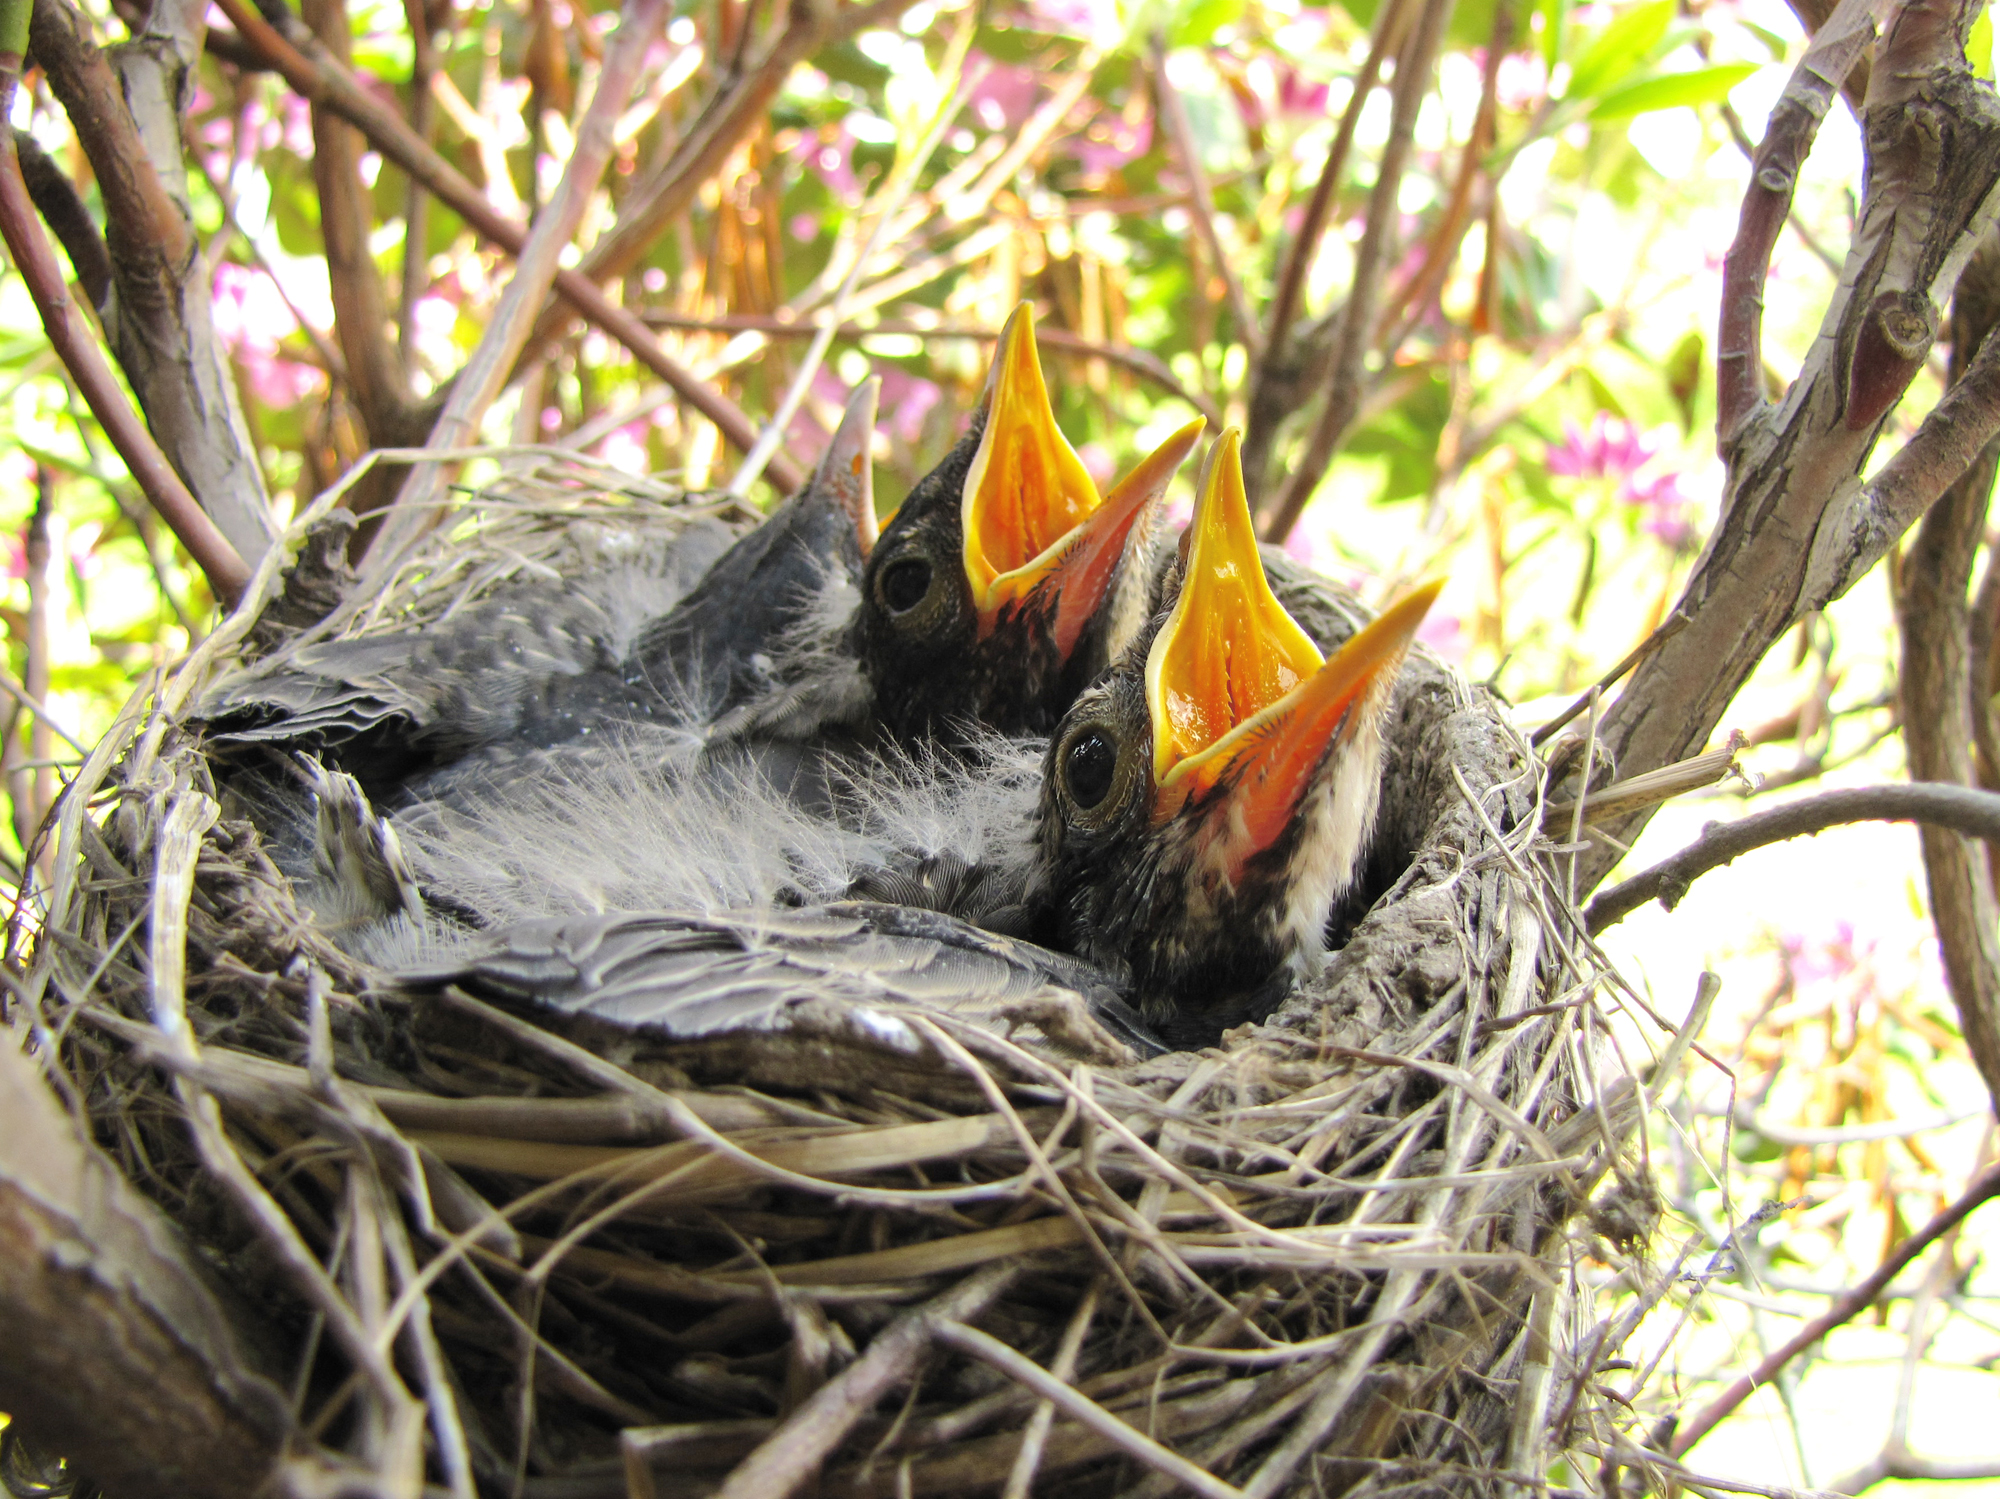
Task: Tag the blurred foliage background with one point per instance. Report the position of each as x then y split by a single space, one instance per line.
1535 422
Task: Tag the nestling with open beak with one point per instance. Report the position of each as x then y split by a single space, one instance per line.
1002 585
1208 803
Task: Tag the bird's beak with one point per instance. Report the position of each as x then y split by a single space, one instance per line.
1026 490
845 470
1240 698
1076 574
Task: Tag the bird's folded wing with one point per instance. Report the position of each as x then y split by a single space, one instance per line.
850 965
481 673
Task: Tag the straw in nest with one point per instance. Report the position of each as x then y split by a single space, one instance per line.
1334 1254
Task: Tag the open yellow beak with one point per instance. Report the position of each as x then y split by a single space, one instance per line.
1235 688
1033 519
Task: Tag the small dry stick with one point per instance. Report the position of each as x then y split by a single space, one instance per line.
1984 1188
787 1459
1669 627
1174 115
1082 1408
1973 813
1021 1480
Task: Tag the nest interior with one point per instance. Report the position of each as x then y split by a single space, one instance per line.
1328 1255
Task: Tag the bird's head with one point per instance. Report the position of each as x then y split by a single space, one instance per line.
1001 586
1208 802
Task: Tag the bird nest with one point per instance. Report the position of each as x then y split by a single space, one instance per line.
1332 1254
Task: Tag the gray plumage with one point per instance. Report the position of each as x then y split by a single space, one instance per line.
846 966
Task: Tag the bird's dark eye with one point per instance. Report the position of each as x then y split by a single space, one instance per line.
1089 765
905 582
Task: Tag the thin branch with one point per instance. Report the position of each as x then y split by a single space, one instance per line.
1945 445
1774 174
1371 257
1449 234
1173 114
1664 632
1985 1187
158 322
1973 813
314 77
415 509
1935 620
1390 24
787 1459
1080 1407
416 199
63 210
1141 362
375 371
887 205
78 350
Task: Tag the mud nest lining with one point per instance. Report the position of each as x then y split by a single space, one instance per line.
1327 1256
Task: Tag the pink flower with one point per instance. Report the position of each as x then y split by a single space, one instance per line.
1446 634
830 154
625 449
1614 449
82 549
1097 462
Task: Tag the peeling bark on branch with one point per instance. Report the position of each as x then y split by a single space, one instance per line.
1933 150
126 106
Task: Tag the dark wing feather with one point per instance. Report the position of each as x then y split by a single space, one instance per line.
523 664
686 975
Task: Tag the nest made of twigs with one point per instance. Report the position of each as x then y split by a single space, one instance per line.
1328 1255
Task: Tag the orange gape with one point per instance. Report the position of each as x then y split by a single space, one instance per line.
1235 688
1033 520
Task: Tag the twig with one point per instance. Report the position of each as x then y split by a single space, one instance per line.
1141 362
156 322
375 372
1371 256
1945 445
416 199
316 78
211 551
1416 294
1174 115
1774 172
1080 1407
1021 1478
415 510
1665 631
889 202
787 1459
1390 23
1984 1187
1973 813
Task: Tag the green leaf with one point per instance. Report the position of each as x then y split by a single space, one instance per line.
1554 14
1619 48
1683 369
1979 46
1673 91
1197 25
